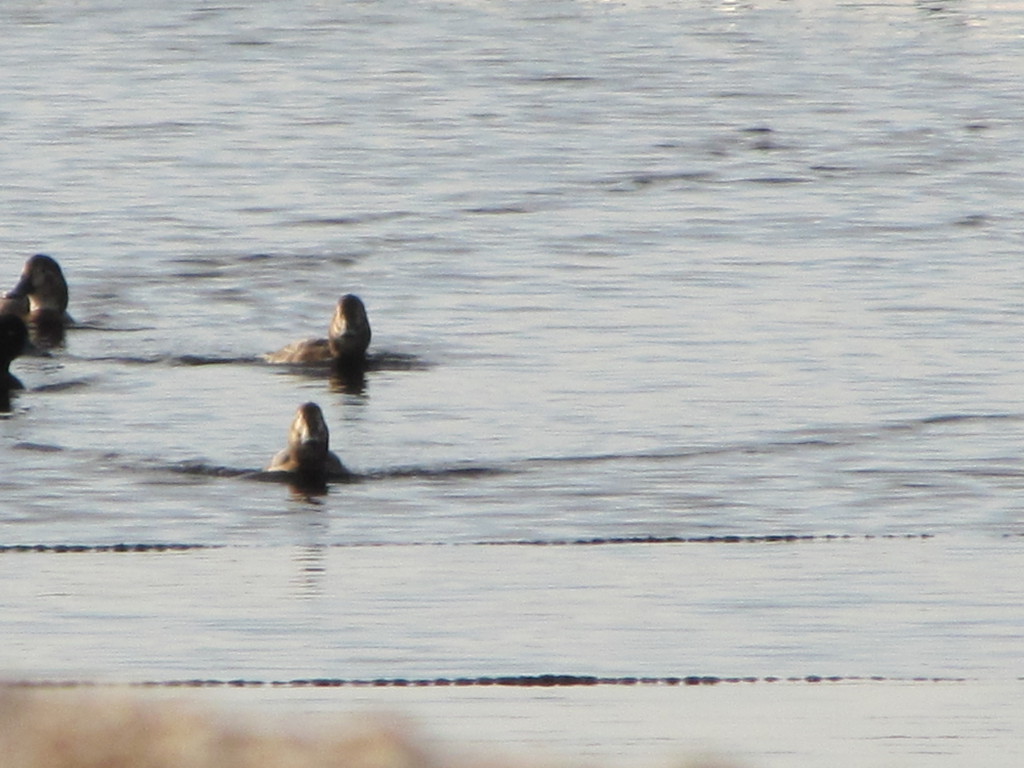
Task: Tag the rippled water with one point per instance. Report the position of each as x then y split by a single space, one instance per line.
635 271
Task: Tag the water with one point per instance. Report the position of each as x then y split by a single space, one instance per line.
634 270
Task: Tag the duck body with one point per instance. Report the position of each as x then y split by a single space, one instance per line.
13 339
348 338
305 351
308 456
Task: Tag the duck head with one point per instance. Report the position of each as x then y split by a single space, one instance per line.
309 439
349 334
43 283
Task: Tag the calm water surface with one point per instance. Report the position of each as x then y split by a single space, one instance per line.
634 270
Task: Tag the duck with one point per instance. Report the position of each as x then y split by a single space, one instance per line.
13 338
347 339
308 456
43 285
42 282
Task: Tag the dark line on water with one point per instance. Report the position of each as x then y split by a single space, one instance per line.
78 548
771 538
182 360
509 681
780 538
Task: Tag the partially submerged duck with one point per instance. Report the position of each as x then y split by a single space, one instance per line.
43 285
347 338
42 282
308 456
13 338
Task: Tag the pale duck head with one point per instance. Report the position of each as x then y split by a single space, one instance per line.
349 333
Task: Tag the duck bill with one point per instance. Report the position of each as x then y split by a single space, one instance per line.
310 435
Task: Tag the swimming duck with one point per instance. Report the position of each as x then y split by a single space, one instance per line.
42 283
13 338
308 455
346 342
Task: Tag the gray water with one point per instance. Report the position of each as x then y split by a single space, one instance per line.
636 271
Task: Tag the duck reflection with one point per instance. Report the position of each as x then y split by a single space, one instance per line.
348 379
311 567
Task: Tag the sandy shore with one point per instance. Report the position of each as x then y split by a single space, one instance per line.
112 728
